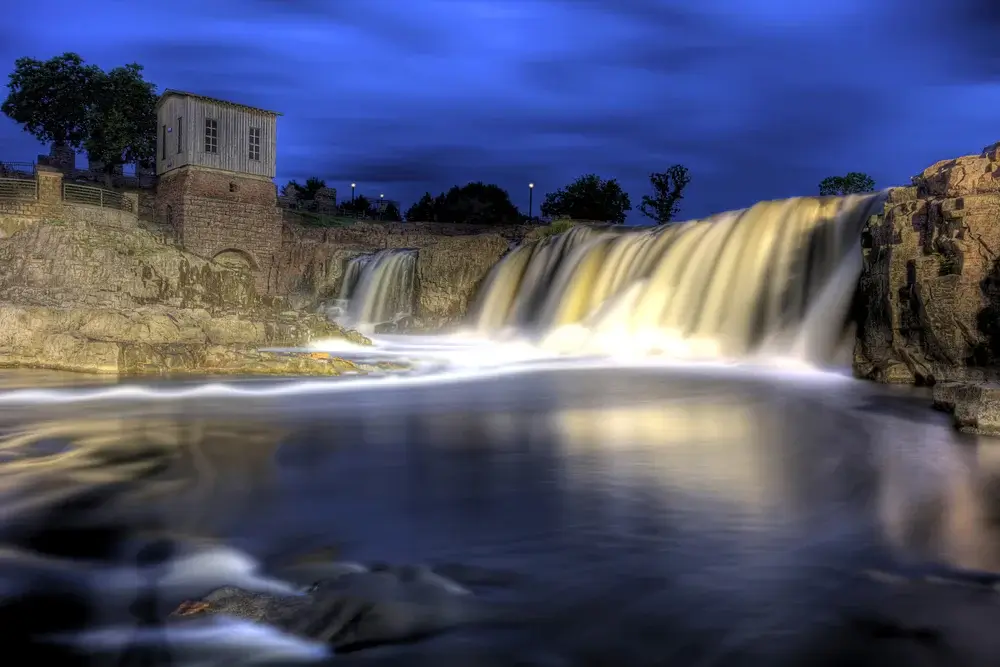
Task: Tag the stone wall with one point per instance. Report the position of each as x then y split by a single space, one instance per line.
49 205
214 212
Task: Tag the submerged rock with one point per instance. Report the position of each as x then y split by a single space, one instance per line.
354 608
80 297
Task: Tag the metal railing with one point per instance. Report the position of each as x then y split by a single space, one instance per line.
25 189
23 170
87 194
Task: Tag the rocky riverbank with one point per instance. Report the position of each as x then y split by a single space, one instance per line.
929 295
81 297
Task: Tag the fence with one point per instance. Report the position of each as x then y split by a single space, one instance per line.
23 170
86 194
19 188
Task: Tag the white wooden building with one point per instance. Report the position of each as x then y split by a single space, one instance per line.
199 131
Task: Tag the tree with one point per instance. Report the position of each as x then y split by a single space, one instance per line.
423 210
477 202
391 213
121 122
360 207
52 99
588 198
305 192
668 190
854 182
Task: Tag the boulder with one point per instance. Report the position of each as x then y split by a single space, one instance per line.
929 294
974 406
81 297
357 608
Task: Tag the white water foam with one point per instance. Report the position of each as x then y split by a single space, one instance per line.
214 641
456 359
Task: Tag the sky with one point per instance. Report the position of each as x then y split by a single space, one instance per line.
760 99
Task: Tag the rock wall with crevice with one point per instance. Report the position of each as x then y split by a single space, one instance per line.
929 295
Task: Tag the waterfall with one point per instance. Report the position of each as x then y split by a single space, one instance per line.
773 279
378 289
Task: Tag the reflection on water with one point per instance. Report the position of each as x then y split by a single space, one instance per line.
580 479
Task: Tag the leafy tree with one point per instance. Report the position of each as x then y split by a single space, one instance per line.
52 99
477 202
361 207
588 198
121 121
391 213
305 192
423 210
668 190
854 182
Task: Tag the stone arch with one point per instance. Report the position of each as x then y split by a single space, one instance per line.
236 257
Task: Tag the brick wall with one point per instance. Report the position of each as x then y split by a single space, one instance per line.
18 214
214 211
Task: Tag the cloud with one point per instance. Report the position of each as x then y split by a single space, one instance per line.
761 99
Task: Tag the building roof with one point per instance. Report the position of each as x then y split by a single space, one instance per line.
170 92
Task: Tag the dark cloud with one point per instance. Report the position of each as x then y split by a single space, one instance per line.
760 99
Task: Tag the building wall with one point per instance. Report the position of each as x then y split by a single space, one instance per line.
214 211
234 123
167 113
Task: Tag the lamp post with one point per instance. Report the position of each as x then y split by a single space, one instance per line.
531 202
381 205
353 209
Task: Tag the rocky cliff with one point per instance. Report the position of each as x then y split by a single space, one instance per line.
452 261
929 296
82 297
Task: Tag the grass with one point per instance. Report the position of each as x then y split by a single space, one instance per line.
554 228
310 219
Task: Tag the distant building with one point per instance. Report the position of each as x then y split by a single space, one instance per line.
215 163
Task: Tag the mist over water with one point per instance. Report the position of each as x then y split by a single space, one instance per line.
609 442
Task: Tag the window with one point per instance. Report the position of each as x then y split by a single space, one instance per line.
255 143
180 135
163 151
211 135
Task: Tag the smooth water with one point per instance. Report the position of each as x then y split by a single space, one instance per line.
637 447
614 499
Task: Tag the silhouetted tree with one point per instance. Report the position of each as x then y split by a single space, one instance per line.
62 100
52 99
854 182
122 120
423 210
588 198
391 213
668 190
305 192
477 202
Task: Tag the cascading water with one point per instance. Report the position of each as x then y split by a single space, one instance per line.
774 279
378 289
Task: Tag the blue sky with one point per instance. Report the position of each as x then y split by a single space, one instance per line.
759 98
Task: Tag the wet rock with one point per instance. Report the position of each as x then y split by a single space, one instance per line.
974 406
355 608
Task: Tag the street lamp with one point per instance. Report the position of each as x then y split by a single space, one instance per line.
353 185
531 203
381 205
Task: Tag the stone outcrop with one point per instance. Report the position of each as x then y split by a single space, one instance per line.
974 406
77 296
450 266
929 296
